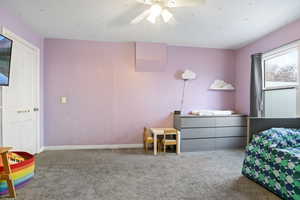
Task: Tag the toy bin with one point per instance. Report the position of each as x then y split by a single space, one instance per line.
22 172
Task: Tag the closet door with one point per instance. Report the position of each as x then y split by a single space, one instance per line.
20 124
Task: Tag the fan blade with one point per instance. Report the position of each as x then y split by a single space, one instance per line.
147 2
184 3
166 15
140 17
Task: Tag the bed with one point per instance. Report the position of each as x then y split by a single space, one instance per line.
273 155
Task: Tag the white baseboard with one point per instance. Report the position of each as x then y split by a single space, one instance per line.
78 147
41 149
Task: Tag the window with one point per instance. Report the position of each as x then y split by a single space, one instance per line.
280 68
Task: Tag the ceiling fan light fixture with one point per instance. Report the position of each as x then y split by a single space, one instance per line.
147 1
171 3
166 15
152 18
155 10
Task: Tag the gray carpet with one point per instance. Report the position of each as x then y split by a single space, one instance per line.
133 175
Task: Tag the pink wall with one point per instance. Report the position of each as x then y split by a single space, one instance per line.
284 35
109 103
150 57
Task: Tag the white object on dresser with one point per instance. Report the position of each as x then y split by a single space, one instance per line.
212 112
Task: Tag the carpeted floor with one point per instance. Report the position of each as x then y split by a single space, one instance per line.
133 175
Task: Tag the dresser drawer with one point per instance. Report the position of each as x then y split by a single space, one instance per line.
231 131
198 145
197 122
189 133
230 143
231 121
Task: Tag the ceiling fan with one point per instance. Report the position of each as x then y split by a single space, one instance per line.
163 8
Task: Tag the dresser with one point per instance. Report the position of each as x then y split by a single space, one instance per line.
199 133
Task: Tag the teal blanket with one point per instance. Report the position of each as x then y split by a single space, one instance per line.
273 160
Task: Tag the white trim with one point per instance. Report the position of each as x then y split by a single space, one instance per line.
281 49
13 36
40 113
279 52
41 149
1 110
78 147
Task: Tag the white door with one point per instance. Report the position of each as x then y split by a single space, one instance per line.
20 101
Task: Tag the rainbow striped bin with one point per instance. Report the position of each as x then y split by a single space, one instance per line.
22 172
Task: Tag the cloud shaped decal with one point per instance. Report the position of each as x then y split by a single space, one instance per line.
221 85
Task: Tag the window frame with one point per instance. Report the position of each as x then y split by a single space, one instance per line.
276 53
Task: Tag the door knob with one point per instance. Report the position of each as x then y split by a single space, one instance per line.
36 109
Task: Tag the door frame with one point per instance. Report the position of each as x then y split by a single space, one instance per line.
13 36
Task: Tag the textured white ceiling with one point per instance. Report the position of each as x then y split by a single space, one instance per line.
228 24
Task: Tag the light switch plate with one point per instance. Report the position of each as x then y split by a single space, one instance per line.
63 100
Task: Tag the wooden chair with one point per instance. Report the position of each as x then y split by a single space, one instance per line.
6 174
148 139
168 138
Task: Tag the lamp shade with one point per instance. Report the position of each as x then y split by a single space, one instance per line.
188 75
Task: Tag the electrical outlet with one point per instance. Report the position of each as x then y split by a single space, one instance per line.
63 100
